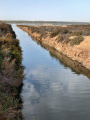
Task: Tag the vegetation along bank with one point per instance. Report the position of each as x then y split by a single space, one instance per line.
11 74
72 40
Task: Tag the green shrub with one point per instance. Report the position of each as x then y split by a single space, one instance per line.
77 33
8 101
76 40
60 38
63 38
9 35
55 33
60 30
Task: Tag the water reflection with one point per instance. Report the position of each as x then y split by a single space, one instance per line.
58 94
66 61
50 90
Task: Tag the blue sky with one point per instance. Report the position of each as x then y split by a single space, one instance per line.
49 10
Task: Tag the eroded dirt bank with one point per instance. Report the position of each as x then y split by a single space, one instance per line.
11 74
66 61
73 41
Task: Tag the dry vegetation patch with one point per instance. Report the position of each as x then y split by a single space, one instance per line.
64 33
11 73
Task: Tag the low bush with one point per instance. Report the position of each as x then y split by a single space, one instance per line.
55 33
76 40
77 33
9 104
59 30
63 38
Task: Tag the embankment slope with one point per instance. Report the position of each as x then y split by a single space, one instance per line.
73 41
11 74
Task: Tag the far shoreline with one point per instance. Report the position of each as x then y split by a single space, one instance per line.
25 22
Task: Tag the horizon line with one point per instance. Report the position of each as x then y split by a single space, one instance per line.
42 21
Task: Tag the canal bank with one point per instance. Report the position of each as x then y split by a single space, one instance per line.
61 38
11 74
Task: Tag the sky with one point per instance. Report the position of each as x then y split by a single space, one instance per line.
45 10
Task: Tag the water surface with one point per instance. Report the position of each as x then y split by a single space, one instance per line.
50 90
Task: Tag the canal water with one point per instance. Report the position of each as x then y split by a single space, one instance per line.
50 90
